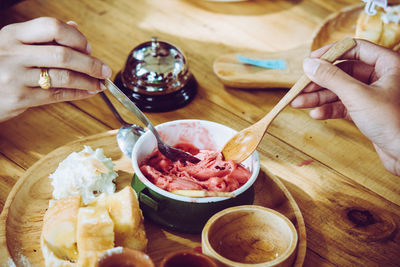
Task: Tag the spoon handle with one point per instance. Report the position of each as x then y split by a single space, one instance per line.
113 109
130 105
336 51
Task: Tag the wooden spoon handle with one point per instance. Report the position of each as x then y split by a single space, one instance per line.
336 51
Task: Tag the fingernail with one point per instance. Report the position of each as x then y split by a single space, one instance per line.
106 71
73 23
88 48
295 103
310 66
102 86
314 114
92 92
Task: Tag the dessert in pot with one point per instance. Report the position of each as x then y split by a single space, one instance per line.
212 173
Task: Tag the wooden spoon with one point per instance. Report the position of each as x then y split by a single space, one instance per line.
242 144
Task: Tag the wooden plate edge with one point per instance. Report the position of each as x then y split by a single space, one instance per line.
10 198
302 243
330 18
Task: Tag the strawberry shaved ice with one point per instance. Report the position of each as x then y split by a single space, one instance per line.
212 173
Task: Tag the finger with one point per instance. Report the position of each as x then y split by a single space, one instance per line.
72 23
75 25
333 78
61 78
311 87
314 99
50 56
356 69
335 110
369 53
41 97
359 70
46 30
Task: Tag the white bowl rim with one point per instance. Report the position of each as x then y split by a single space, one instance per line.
143 179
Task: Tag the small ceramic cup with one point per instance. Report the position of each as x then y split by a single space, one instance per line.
250 235
124 257
181 213
187 258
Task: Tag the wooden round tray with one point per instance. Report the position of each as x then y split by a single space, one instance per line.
21 218
337 26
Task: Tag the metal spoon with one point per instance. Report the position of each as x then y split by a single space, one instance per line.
128 134
169 152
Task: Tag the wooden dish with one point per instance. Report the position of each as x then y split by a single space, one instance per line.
22 215
251 236
124 257
188 258
233 73
337 26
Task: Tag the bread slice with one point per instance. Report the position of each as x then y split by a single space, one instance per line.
75 235
58 238
95 233
373 29
125 212
51 260
136 240
369 27
390 36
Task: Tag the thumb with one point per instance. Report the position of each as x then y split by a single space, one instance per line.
333 78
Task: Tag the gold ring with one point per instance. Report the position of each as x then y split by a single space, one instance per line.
44 79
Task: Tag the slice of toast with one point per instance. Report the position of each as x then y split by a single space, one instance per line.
369 27
124 210
75 235
95 233
373 29
58 238
390 35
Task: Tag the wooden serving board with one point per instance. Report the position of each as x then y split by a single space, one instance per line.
21 218
234 73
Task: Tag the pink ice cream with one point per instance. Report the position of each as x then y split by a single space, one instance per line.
212 173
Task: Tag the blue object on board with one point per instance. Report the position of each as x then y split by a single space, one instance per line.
276 64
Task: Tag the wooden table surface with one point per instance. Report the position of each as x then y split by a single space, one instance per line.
349 201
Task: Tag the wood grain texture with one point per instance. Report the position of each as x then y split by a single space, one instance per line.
338 25
236 74
9 174
21 220
243 143
344 168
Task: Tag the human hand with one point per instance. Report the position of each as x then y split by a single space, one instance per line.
365 89
27 47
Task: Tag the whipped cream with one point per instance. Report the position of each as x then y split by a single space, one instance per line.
88 173
391 14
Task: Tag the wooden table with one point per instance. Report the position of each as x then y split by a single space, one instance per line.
345 179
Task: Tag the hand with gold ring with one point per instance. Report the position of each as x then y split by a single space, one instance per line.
44 79
44 61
